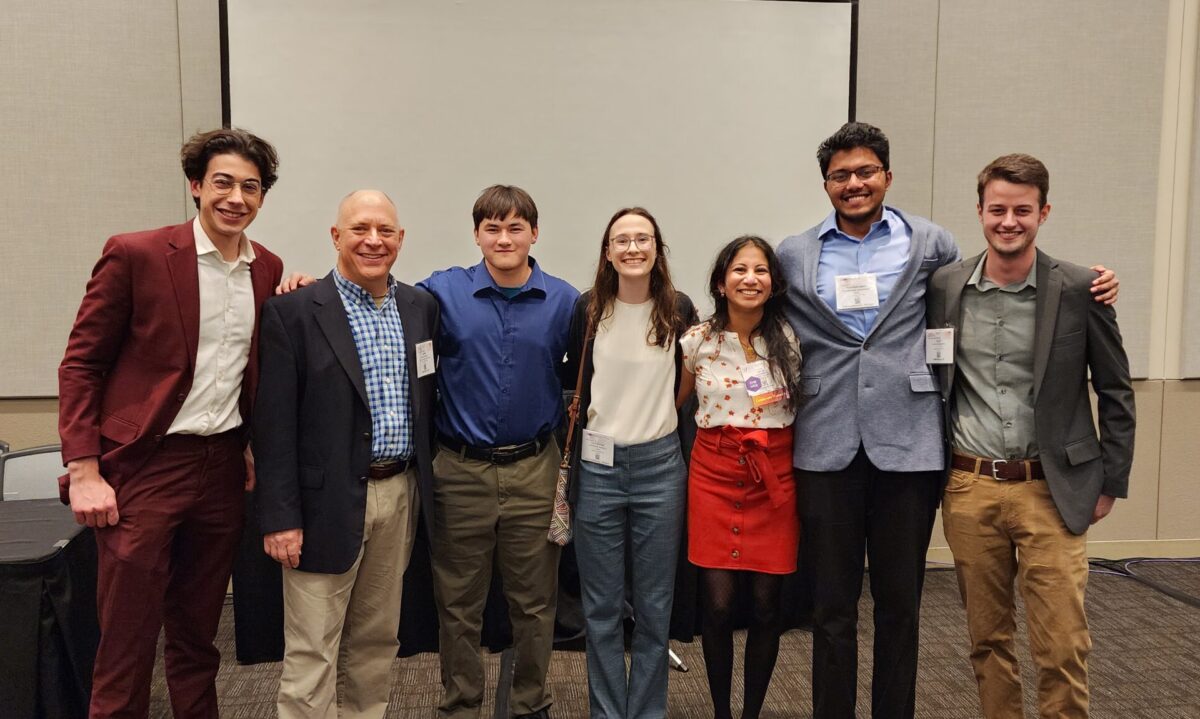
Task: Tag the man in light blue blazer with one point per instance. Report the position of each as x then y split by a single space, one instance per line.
869 449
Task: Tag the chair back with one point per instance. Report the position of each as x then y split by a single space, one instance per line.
31 473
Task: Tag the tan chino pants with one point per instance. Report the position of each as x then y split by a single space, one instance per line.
340 630
1004 531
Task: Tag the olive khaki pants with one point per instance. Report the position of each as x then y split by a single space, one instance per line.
1001 531
488 513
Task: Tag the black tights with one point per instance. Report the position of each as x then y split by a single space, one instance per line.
719 591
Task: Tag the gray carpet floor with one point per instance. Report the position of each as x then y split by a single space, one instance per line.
1145 662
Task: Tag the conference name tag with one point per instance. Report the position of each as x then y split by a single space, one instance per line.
939 346
425 363
856 292
760 384
597 448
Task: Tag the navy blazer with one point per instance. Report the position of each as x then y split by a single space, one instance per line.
312 423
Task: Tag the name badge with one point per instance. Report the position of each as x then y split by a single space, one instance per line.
939 346
425 361
760 384
856 292
597 448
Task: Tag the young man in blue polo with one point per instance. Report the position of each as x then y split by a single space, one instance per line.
503 336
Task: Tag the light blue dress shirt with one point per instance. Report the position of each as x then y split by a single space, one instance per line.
883 252
379 338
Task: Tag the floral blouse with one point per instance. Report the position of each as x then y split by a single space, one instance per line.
717 359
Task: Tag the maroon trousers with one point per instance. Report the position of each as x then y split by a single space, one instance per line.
166 564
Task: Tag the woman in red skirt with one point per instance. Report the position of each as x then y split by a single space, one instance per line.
743 527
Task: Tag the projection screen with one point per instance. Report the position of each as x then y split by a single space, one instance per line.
706 112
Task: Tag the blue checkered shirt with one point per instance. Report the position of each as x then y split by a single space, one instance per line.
379 339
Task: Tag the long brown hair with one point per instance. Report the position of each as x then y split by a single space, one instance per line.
665 322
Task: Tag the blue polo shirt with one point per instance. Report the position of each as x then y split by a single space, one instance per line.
499 357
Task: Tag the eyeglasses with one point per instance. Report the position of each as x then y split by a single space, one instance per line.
622 242
224 185
864 173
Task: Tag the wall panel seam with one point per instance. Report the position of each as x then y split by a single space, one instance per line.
937 46
182 91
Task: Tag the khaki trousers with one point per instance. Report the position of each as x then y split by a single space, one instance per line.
485 513
1000 531
340 630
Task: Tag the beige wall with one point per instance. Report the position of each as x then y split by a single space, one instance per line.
1079 83
28 422
92 128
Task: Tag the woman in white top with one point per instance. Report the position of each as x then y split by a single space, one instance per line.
743 527
631 481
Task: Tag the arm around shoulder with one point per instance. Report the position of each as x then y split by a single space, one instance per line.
948 250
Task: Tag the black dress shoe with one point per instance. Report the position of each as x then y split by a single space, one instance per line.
543 713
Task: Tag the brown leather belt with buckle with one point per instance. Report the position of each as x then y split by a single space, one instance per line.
390 468
1002 470
506 454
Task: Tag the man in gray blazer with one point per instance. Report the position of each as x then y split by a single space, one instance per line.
1015 334
869 454
344 448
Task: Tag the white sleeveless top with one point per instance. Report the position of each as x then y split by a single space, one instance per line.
633 382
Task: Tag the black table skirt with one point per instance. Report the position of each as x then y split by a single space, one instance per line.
258 602
48 630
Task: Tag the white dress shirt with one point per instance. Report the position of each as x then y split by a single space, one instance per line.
226 326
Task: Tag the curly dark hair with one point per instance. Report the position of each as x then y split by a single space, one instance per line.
850 136
203 146
783 360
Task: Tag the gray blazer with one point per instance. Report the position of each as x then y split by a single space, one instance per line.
1074 334
875 391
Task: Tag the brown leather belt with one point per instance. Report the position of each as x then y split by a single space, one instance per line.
390 468
1002 470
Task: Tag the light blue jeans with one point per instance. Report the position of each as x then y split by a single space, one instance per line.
638 502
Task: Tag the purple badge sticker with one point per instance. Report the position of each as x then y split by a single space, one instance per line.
753 384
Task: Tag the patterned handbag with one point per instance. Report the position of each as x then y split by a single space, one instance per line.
560 520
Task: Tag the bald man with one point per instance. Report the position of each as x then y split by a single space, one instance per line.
344 451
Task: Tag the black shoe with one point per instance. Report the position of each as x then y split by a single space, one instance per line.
543 713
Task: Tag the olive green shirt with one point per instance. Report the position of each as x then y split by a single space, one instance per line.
993 387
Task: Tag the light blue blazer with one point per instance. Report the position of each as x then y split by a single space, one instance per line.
875 391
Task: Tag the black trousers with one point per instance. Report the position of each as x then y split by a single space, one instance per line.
888 517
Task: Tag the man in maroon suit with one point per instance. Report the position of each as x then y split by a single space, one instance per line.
154 398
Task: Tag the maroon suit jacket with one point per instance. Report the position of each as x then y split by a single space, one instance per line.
132 352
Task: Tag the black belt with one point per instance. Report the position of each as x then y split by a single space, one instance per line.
1003 470
506 454
389 468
